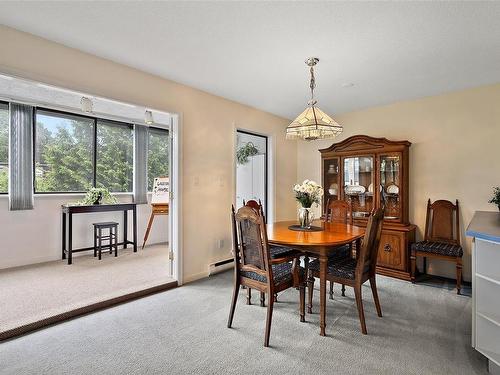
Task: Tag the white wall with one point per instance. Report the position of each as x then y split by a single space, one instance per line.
455 153
34 236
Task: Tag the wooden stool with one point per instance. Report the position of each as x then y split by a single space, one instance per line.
112 237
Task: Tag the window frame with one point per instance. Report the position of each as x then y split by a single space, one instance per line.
7 104
160 130
94 148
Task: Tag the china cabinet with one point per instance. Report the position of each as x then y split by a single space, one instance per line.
369 173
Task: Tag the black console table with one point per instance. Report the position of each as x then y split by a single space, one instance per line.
67 216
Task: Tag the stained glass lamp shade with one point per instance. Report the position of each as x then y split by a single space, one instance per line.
313 124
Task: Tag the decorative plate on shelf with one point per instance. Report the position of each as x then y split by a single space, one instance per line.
370 188
392 189
334 188
355 189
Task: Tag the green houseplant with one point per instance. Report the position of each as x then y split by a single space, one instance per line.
97 196
495 199
245 151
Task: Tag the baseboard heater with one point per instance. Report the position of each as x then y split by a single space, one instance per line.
220 266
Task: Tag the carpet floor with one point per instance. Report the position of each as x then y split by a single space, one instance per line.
425 330
36 292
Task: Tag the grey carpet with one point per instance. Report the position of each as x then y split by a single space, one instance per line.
425 330
39 291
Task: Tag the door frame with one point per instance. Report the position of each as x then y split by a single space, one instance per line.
269 172
175 204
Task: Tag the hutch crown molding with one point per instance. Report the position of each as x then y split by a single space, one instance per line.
369 173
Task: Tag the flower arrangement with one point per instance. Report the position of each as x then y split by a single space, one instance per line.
307 193
96 196
495 199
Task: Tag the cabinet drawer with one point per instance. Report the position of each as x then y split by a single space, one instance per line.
487 301
487 259
392 250
487 334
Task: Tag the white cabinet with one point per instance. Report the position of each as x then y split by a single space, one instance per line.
251 180
485 228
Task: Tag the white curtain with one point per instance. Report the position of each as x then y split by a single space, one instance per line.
21 157
141 146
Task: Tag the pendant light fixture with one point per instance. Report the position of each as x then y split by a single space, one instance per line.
313 123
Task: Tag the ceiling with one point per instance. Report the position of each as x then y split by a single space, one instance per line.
254 52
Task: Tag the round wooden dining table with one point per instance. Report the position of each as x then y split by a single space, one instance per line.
318 244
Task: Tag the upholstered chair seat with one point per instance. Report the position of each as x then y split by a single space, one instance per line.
341 267
282 273
280 251
441 248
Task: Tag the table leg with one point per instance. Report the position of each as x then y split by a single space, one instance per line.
323 264
134 219
70 238
125 228
63 235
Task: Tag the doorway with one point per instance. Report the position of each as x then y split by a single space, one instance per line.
252 168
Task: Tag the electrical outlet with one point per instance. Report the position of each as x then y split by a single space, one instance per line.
220 243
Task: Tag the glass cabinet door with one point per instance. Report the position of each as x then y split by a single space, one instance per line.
331 170
358 184
390 185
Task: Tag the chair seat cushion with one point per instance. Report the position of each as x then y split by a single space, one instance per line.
342 267
341 252
280 251
441 248
281 273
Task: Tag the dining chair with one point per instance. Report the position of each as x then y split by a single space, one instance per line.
254 267
275 250
354 272
441 238
337 211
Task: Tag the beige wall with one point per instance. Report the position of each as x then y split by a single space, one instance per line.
455 151
208 126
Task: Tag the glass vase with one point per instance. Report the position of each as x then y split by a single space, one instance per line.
306 217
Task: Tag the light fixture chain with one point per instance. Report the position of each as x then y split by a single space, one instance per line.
312 85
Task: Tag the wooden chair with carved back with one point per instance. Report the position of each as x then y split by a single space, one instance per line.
337 211
254 267
354 272
275 250
441 237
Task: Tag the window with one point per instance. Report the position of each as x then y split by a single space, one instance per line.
158 155
65 161
4 148
115 152
64 157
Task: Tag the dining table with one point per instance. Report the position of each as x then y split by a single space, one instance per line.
323 239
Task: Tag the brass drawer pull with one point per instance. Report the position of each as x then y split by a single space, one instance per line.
387 247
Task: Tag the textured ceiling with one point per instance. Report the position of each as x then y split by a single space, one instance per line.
253 52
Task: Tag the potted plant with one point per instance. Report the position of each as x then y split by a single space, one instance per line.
495 199
306 194
97 196
245 151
